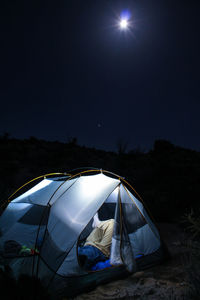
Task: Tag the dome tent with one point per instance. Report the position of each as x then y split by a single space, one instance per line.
54 217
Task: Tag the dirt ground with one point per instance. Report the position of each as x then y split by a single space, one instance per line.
165 281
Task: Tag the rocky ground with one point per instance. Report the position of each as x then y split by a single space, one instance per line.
166 281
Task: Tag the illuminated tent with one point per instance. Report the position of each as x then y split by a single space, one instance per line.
56 214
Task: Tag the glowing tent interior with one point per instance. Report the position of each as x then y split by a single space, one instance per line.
42 228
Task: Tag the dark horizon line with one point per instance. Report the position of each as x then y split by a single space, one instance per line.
74 141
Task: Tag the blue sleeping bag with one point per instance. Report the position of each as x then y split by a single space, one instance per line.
105 264
101 265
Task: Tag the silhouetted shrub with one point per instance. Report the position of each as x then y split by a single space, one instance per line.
161 146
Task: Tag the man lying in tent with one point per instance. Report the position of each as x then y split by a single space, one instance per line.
98 243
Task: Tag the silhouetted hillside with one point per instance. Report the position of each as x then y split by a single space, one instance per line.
167 177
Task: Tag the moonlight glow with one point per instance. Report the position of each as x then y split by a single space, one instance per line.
123 24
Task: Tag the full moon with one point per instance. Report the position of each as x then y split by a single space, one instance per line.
123 24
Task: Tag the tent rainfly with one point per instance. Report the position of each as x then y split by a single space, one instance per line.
42 228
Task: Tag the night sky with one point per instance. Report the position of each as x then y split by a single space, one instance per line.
68 71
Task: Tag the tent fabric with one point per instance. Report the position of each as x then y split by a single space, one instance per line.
12 214
37 214
55 216
142 210
75 208
121 251
68 218
44 191
70 266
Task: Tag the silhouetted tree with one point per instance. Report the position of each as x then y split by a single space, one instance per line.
122 146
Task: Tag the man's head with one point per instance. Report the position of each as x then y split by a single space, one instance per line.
96 220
